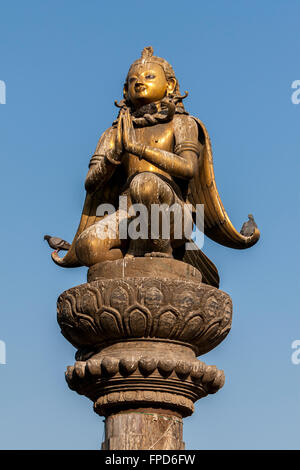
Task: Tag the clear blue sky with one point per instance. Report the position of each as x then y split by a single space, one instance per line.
64 63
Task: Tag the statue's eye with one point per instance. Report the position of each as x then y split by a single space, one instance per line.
150 77
131 79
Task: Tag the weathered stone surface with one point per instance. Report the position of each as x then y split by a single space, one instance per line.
133 267
143 431
113 383
143 317
138 338
181 310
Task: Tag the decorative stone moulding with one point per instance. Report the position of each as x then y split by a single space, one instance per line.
138 334
138 381
93 314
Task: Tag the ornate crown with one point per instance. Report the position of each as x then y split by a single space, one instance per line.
147 56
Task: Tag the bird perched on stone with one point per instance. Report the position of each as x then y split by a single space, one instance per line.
249 227
57 243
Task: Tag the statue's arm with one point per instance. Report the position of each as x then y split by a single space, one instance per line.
183 162
103 163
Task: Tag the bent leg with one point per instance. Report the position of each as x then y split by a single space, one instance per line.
158 197
148 188
101 242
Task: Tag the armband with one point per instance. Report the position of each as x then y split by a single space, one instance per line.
188 145
96 159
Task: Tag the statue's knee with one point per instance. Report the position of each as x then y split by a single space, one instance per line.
145 188
91 248
85 249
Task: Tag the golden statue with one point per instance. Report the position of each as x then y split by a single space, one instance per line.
154 153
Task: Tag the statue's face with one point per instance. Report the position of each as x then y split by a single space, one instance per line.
147 83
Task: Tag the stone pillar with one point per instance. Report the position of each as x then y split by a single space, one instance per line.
143 430
139 325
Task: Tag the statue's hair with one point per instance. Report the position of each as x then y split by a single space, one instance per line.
147 56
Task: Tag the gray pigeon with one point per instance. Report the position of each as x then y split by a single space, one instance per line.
57 243
248 227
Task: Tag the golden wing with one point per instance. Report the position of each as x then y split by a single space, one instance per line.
108 193
88 217
201 262
203 190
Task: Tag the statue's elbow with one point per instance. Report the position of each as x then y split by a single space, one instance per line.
191 171
190 165
88 184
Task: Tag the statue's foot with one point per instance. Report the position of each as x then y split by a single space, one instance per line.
149 248
137 248
158 254
128 256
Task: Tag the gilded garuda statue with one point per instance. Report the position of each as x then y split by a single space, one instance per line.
154 153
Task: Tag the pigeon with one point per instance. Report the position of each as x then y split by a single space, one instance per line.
248 227
57 243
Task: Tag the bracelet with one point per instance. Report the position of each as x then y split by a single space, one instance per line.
96 158
142 152
188 145
112 160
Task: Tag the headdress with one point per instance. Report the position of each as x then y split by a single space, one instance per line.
147 56
202 187
149 114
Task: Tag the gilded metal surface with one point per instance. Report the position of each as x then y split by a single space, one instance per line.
154 152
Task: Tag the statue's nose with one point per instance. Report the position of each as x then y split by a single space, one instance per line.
139 83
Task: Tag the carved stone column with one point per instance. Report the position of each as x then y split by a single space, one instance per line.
150 430
139 325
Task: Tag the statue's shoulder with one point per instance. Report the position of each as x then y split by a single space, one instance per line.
201 129
107 138
188 119
185 127
183 119
110 131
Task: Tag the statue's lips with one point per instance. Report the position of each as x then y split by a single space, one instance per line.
140 89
